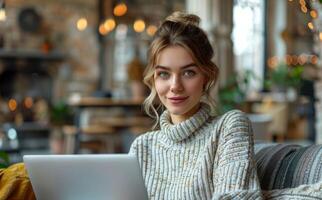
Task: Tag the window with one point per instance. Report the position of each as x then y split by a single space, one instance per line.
248 38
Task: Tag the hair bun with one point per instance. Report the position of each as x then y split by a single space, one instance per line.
181 17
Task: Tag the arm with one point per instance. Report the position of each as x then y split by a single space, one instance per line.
235 175
302 192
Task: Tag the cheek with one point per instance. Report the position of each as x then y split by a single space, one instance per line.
160 87
195 86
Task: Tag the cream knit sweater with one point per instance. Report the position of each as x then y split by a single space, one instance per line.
205 157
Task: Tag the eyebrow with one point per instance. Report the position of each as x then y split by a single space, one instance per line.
181 67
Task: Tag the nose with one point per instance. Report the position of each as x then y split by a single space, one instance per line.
176 85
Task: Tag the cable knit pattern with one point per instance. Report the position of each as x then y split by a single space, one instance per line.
205 157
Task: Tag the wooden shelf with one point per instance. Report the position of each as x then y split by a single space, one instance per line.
31 55
103 102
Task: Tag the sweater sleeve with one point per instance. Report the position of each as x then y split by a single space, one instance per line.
302 192
235 175
134 147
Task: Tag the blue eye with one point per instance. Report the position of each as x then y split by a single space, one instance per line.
189 73
163 75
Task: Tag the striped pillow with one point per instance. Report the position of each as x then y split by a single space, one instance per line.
288 165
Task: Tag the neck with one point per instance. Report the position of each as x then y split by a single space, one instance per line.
176 119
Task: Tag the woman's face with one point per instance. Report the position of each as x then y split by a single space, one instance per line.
179 83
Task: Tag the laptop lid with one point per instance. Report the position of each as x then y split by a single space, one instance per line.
84 177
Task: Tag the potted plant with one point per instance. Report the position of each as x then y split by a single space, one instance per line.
233 94
60 115
283 77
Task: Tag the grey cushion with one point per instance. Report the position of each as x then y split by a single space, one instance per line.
288 165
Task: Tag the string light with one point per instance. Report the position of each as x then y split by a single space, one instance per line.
3 16
102 30
304 9
310 25
302 59
82 24
151 30
120 9
288 59
109 24
294 60
313 14
28 102
139 25
314 59
272 62
12 104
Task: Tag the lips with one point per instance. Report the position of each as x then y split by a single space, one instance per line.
177 100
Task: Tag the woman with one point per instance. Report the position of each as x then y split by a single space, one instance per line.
193 154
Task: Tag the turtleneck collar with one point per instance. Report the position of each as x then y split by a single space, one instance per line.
182 130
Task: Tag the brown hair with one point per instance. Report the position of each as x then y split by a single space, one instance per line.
183 30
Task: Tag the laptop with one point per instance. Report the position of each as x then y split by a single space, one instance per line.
85 177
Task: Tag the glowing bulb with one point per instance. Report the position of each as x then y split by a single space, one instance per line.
288 59
120 9
28 102
313 14
139 25
302 59
320 36
314 60
310 25
12 104
272 62
304 9
102 29
294 60
109 24
12 134
151 30
81 24
2 14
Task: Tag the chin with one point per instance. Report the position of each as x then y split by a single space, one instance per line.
182 110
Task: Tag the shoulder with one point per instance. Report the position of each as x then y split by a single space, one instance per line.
235 123
143 140
233 118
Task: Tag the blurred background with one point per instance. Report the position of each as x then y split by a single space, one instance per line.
71 70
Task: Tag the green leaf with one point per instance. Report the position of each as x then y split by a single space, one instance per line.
3 166
4 156
4 160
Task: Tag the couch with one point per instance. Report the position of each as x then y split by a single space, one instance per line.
287 165
278 166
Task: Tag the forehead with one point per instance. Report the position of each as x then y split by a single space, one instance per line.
174 56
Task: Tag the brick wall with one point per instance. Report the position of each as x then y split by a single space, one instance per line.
79 72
